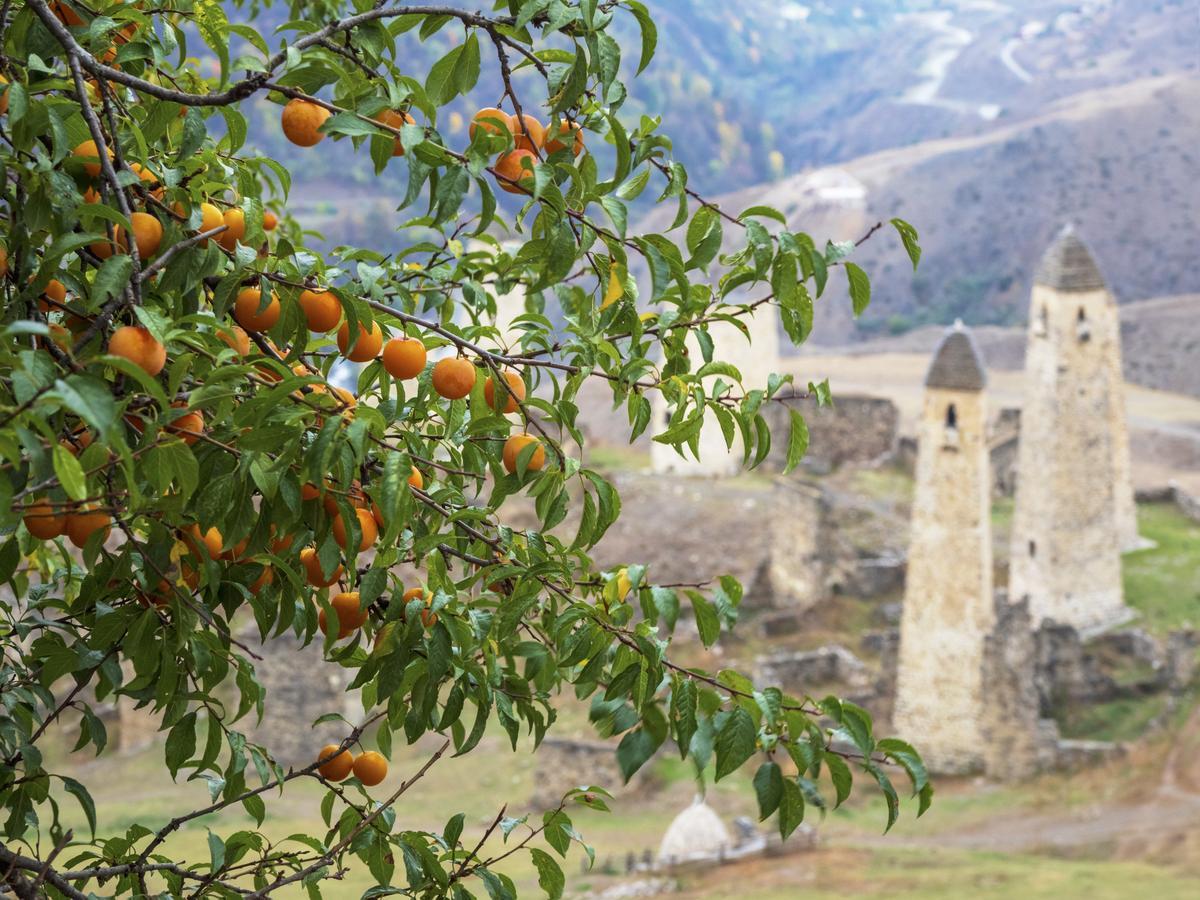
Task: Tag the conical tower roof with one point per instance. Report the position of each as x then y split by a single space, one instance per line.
695 833
1069 265
957 365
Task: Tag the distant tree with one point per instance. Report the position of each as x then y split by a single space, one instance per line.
177 466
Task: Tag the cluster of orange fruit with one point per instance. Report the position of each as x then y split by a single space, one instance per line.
336 764
302 119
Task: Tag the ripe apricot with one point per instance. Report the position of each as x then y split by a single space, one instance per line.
249 316
528 132
350 616
491 120
235 228
150 180
210 217
366 525
312 568
512 397
513 447
3 96
279 544
147 233
404 357
309 491
3 261
416 479
270 221
366 345
428 616
89 154
354 496
394 118
265 577
370 768
301 120
557 138
65 14
337 763
189 426
83 524
235 337
515 166
136 344
209 541
322 310
54 291
43 522
453 377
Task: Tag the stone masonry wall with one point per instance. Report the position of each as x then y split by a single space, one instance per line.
856 429
948 609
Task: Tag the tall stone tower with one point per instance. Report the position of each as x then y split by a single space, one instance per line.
948 597
755 359
1074 505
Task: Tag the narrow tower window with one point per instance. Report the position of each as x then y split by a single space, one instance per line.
1032 549
1042 327
951 434
951 416
1083 330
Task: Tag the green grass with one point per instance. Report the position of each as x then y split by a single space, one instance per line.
886 483
616 458
1116 720
1161 582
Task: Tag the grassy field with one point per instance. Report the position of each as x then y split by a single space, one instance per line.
1161 582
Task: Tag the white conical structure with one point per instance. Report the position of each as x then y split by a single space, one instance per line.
696 833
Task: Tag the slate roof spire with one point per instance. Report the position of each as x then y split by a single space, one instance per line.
957 364
1069 265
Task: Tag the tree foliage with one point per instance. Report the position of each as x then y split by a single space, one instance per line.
172 481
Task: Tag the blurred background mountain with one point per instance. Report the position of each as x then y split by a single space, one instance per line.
986 124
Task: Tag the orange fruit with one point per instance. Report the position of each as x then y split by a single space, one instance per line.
83 524
270 220
556 138
322 310
3 261
43 522
404 357
492 120
189 426
152 184
136 344
266 577
370 768
249 316
89 154
337 763
211 541
453 377
147 233
309 491
515 166
354 496
366 345
279 544
393 118
416 479
512 397
528 132
235 228
3 95
350 617
513 447
65 14
428 616
366 525
55 291
210 217
301 120
236 338
312 568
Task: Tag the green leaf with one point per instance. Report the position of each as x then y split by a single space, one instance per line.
797 440
649 33
80 793
635 750
909 237
735 742
69 473
860 288
839 772
791 808
707 621
768 787
550 874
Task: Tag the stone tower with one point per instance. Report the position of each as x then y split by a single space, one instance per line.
948 598
755 359
1074 508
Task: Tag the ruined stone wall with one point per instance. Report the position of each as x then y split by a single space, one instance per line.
857 429
1066 543
756 359
563 764
948 606
300 687
796 566
1015 739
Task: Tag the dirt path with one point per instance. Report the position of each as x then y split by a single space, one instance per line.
1121 829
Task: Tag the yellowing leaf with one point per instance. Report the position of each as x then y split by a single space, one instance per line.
616 287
